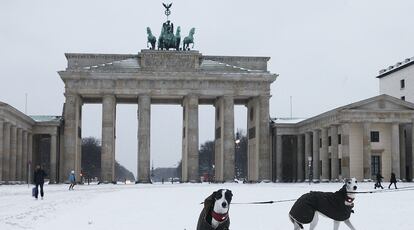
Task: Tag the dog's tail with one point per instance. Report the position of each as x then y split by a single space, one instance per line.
295 222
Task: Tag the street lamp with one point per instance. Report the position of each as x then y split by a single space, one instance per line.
237 154
310 169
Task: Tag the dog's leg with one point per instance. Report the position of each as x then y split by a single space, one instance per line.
349 224
336 225
314 221
296 226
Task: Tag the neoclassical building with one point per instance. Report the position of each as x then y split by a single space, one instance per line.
357 140
27 141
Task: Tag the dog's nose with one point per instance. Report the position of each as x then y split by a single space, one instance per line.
355 187
224 204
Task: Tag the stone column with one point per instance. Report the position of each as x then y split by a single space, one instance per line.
144 125
30 167
345 151
6 151
324 155
300 160
108 139
395 149
13 152
252 140
334 153
279 158
228 139
412 151
403 159
73 136
19 154
308 153
1 148
315 158
224 143
366 140
53 166
190 140
24 156
264 150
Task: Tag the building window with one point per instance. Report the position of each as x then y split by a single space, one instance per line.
403 98
320 142
339 139
251 114
374 136
402 84
218 114
329 141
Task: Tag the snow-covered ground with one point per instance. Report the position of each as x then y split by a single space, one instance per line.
166 206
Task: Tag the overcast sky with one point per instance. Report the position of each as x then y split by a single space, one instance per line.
327 53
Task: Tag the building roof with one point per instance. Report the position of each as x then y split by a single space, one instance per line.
46 118
394 68
131 62
283 120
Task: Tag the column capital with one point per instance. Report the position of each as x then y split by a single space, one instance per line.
111 96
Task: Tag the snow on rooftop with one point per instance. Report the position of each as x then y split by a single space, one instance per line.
45 118
287 120
397 65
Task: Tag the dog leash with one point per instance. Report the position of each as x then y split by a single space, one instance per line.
263 202
266 202
401 189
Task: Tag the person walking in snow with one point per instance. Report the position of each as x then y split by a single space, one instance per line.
72 180
39 180
378 183
393 180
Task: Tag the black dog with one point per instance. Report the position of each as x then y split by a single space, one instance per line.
336 206
215 214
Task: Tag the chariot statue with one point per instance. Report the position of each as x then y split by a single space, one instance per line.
167 39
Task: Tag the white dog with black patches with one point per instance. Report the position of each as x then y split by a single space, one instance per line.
215 214
337 206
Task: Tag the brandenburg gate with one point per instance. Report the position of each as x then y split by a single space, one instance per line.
181 77
185 78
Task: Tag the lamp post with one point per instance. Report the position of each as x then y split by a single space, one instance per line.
310 169
236 149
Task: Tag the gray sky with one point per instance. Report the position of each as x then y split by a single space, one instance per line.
327 53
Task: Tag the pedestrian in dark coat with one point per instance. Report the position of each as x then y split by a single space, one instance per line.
39 180
393 180
378 183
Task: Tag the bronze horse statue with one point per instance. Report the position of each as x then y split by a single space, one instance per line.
151 39
177 38
189 40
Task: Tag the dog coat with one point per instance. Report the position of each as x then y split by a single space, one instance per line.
202 223
329 204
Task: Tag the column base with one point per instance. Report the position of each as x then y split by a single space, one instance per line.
143 182
325 180
104 182
316 181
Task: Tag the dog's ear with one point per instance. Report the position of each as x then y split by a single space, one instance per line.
346 180
229 195
209 201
